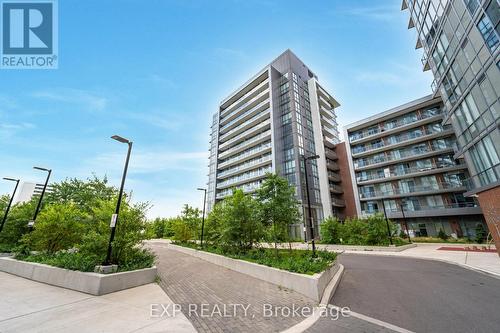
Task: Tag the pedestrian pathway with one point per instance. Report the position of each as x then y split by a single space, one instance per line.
29 306
194 283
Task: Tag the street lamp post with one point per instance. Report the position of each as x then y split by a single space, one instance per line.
10 201
387 222
203 216
114 219
311 229
404 220
39 205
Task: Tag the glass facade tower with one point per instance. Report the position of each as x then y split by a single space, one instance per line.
461 45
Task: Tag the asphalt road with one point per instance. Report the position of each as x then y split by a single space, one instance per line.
419 295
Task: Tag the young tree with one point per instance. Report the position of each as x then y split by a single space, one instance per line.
240 226
278 207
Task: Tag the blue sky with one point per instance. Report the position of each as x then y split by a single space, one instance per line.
154 71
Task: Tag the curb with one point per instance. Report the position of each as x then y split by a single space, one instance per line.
327 295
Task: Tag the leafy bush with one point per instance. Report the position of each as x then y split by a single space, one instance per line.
330 230
240 228
16 225
277 207
72 230
58 227
442 235
356 231
480 233
161 228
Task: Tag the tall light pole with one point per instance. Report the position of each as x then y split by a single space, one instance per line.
404 219
311 228
203 216
114 218
387 222
10 201
39 205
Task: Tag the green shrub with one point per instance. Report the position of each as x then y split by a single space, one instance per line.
480 233
359 231
58 227
330 230
16 225
240 226
442 235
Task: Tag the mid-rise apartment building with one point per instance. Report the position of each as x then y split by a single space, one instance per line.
461 45
402 160
28 190
266 126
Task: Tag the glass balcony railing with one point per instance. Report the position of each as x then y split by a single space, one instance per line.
406 171
244 134
245 176
227 112
392 157
243 115
245 165
399 139
398 123
411 189
246 153
248 121
417 208
244 143
484 178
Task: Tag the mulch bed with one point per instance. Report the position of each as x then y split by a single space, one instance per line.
470 249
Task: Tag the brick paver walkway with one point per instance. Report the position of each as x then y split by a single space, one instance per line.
346 325
192 282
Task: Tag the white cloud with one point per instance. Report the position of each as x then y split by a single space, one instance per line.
7 130
84 98
143 161
384 13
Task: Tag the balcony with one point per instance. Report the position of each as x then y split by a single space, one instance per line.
402 140
455 209
246 125
338 202
244 178
236 107
332 165
251 164
413 190
403 157
336 189
358 138
242 136
245 116
331 154
246 155
333 177
409 172
246 144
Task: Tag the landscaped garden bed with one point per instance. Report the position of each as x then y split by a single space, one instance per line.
297 261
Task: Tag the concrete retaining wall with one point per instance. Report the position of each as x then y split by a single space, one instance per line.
90 283
311 286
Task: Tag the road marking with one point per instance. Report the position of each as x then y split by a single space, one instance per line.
374 321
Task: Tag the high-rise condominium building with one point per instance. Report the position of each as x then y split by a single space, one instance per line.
401 160
266 126
461 44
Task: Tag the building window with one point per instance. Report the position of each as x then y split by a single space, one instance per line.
488 32
471 6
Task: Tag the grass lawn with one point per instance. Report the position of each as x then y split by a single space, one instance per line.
297 261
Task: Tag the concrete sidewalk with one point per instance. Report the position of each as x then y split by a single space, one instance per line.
28 306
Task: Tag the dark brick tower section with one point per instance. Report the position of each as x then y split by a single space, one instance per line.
346 182
489 201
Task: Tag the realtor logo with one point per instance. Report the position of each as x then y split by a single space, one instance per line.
29 34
